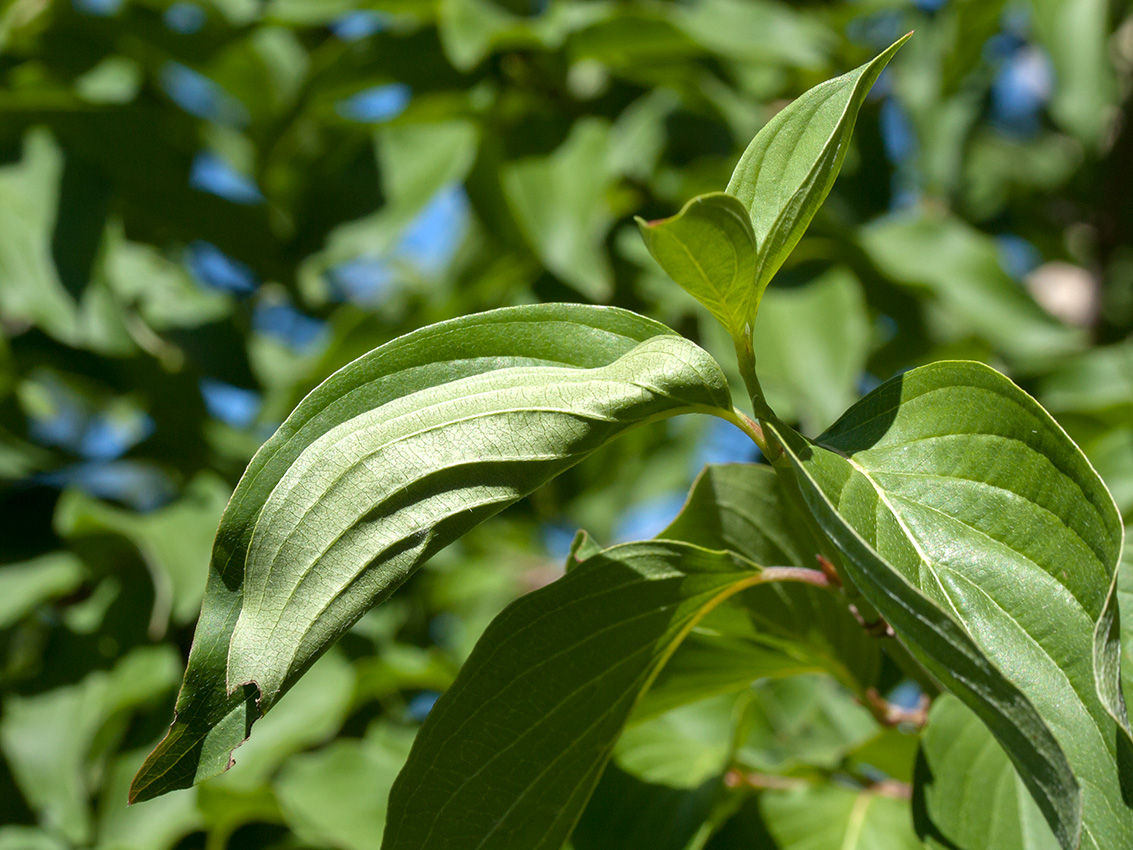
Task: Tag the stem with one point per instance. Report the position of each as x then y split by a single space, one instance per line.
748 425
799 574
745 355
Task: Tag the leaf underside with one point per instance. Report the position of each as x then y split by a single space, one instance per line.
387 461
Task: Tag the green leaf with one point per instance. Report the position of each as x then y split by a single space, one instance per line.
833 818
336 796
961 268
560 204
54 741
708 248
800 722
440 429
967 795
788 169
812 347
511 752
775 629
174 541
1077 36
974 525
28 584
1125 598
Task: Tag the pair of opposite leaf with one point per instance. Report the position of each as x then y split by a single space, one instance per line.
724 248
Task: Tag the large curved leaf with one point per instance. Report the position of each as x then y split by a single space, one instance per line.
969 519
391 458
511 752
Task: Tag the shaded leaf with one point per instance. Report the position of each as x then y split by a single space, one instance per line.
27 585
788 169
967 793
800 722
832 818
510 754
776 629
956 502
440 429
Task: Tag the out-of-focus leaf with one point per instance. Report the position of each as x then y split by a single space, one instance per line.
681 748
756 31
158 826
811 344
1076 34
1098 382
29 838
828 817
49 739
933 477
336 796
960 268
535 731
469 416
788 169
174 541
559 201
708 248
472 29
800 722
27 585
967 793
32 291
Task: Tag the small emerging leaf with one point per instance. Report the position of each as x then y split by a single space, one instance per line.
788 169
709 249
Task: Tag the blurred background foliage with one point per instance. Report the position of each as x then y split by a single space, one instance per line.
206 207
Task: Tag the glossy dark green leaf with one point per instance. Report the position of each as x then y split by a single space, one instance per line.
788 169
439 430
967 795
1125 600
708 248
510 754
968 518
